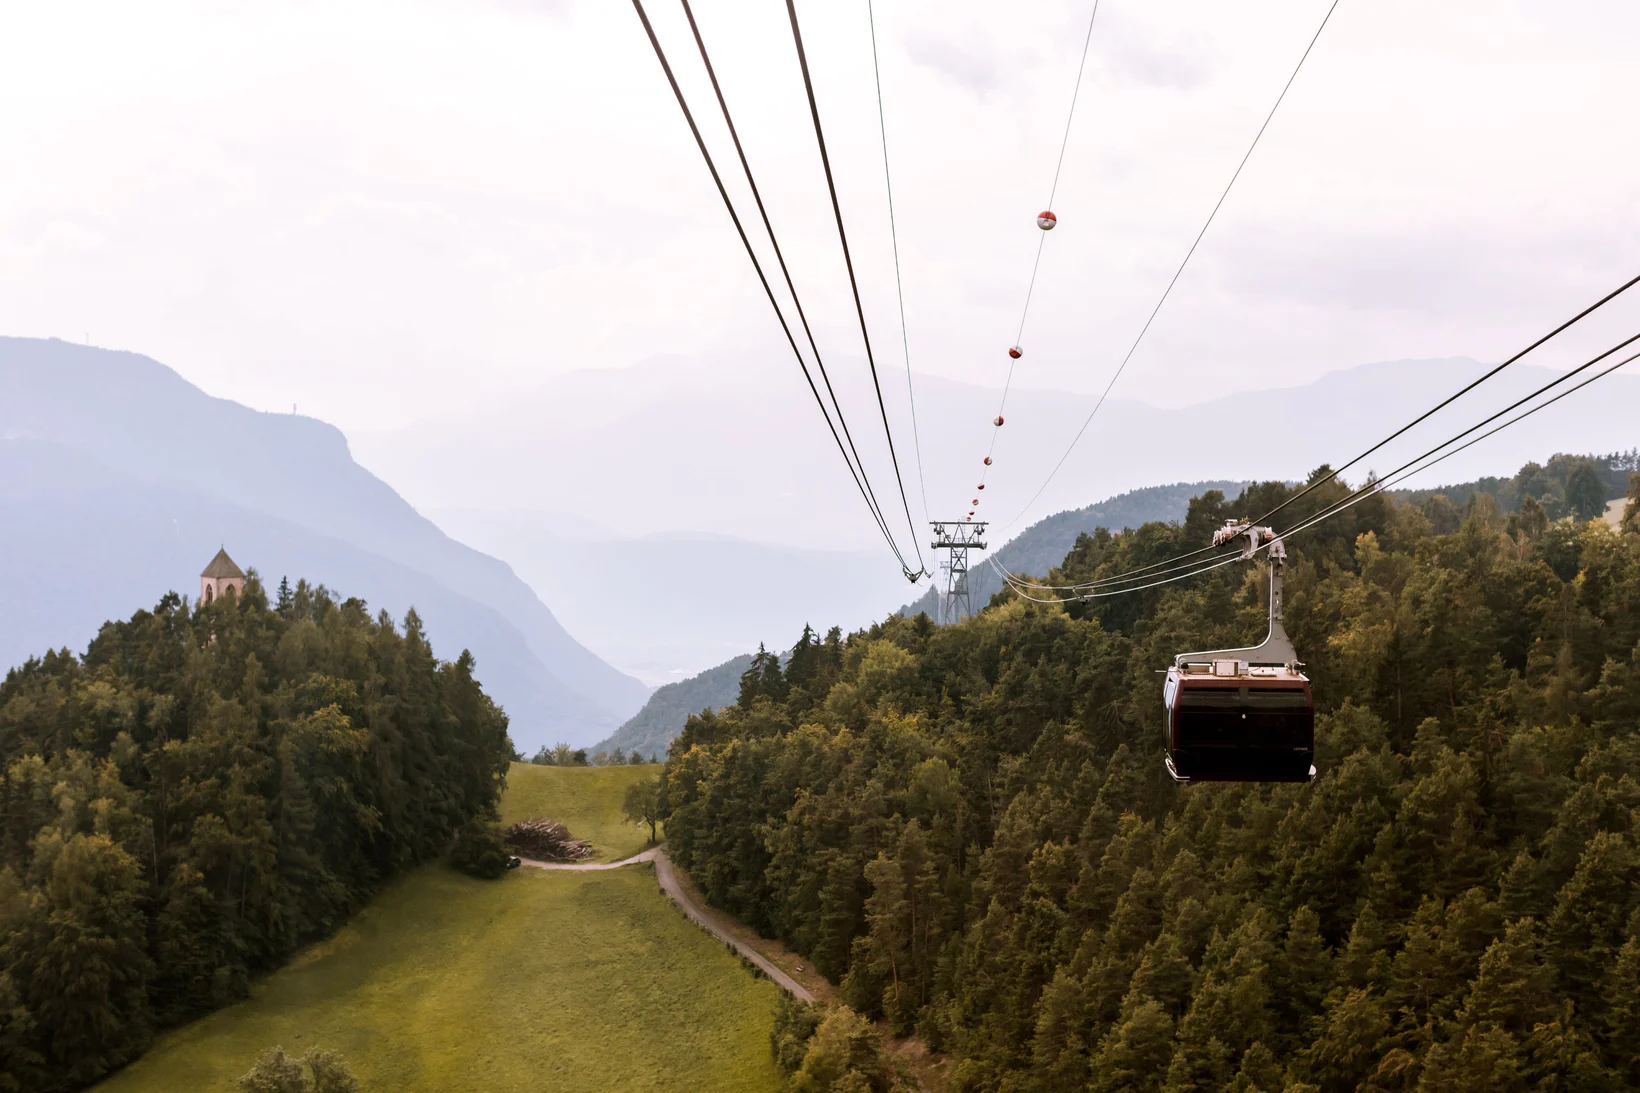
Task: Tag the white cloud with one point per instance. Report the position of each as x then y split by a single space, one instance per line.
383 210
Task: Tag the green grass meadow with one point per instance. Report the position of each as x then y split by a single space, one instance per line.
547 982
587 800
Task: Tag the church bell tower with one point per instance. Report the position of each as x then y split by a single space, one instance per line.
219 577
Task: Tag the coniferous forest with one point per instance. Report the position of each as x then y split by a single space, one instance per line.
201 792
970 828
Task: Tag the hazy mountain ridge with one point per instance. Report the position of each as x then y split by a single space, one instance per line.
667 605
653 728
743 456
118 433
1045 543
610 530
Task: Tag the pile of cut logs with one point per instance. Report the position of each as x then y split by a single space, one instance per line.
546 840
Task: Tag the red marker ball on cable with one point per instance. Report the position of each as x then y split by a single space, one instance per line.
1046 220
1016 352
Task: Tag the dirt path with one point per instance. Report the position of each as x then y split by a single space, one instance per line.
647 855
668 878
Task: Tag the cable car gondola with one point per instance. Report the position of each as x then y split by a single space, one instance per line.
1242 715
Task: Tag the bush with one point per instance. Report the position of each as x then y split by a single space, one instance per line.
276 1072
479 851
843 1055
794 1026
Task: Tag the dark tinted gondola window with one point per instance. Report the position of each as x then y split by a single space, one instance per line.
1244 717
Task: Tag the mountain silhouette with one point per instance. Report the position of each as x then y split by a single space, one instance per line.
119 480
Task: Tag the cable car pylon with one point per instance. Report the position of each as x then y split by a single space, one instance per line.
956 537
1242 715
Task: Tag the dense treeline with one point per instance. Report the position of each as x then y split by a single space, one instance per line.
200 793
1568 485
970 828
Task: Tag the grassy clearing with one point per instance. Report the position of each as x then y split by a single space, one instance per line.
587 800
547 982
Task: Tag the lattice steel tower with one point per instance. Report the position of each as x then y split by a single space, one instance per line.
956 537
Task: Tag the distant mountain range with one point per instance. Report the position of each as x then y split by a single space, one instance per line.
698 445
679 512
665 605
119 480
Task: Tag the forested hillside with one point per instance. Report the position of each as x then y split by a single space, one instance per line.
203 791
971 830
1567 485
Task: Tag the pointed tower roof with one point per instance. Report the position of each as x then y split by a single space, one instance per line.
222 566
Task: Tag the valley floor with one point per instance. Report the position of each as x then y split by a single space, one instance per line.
541 981
586 799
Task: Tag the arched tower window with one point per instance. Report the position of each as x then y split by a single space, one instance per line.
210 594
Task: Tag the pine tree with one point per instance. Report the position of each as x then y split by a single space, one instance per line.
1588 924
20 1064
1133 1057
804 664
84 962
1481 1059
1059 1049
761 679
1300 976
1585 493
1350 1041
1513 988
1619 1012
1631 510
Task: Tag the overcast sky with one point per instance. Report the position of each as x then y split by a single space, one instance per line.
379 210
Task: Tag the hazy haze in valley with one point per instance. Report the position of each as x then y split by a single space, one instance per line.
764 537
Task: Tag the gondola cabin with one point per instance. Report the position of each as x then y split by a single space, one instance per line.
1242 715
1229 721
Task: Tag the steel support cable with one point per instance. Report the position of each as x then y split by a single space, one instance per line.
1178 272
1370 490
1585 313
1053 191
768 290
1135 574
854 284
1461 392
780 257
1019 587
1398 475
1200 568
894 237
